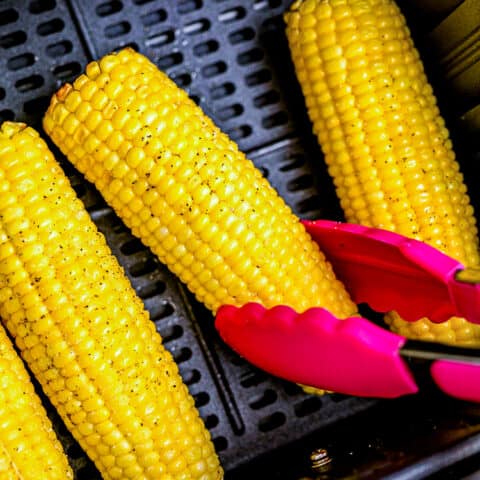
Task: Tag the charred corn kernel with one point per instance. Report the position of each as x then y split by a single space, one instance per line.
382 135
186 191
29 448
82 330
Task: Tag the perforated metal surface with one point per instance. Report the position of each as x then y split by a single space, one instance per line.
232 57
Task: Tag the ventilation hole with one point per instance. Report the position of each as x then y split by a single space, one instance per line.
39 104
242 131
308 406
40 6
154 17
232 14
87 473
220 443
6 115
267 398
222 90
50 27
182 355
253 379
295 161
211 421
214 69
117 29
201 399
273 23
108 8
59 49
230 111
80 189
243 35
142 2
271 422
258 77
2 93
183 80
170 333
74 451
159 39
118 226
191 377
187 6
21 61
29 83
265 171
267 98
132 246
152 289
205 48
275 120
8 16
300 183
196 27
143 268
309 204
170 60
160 311
250 56
68 70
261 4
13 39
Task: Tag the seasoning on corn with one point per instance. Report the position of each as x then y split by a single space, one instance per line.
82 330
29 448
186 191
384 141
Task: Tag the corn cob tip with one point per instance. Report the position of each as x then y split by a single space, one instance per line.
8 128
61 94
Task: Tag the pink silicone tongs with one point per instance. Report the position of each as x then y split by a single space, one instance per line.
354 356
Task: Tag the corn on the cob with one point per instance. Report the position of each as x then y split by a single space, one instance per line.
384 141
186 191
29 448
82 330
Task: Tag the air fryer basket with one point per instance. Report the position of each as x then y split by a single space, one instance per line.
232 58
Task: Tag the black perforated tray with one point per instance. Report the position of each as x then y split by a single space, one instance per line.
232 58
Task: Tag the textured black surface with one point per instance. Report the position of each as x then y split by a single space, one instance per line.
232 57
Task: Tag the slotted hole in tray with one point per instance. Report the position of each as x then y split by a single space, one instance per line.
211 421
240 131
272 422
252 379
171 332
250 56
191 377
80 189
220 443
52 26
75 451
132 246
232 14
31 82
59 49
242 35
308 406
205 48
274 120
153 17
41 6
266 398
117 29
187 6
152 289
182 79
68 70
161 310
142 2
230 111
292 389
309 204
8 16
13 39
143 267
262 4
267 98
294 161
300 183
170 60
35 105
258 77
2 93
21 61
182 355
159 39
108 8
223 90
201 399
214 69
198 26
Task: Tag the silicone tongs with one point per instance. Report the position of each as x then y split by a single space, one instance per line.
354 356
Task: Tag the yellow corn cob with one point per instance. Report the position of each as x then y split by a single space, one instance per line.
186 191
384 141
29 449
82 330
